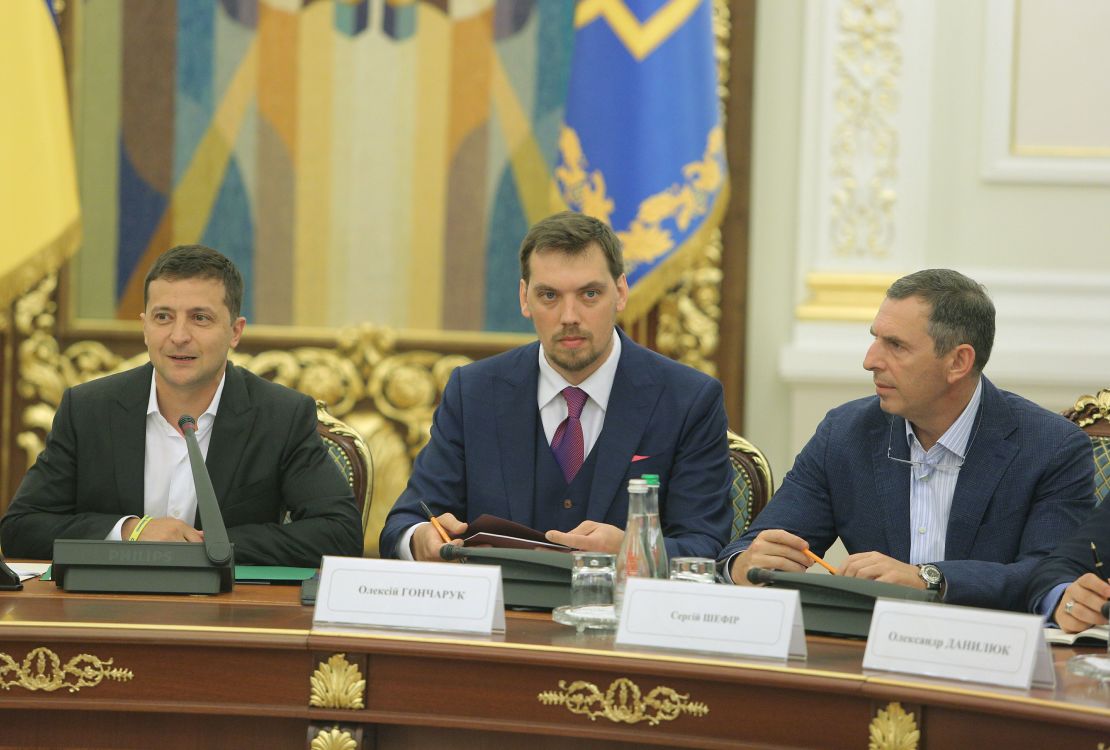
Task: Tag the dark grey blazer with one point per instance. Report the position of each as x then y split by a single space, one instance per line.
264 458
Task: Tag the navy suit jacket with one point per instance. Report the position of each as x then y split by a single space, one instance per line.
1026 483
482 453
264 458
1073 557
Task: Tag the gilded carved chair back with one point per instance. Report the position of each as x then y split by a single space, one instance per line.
1092 414
752 483
351 455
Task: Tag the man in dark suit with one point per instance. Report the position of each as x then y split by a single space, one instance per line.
1071 583
115 464
548 434
940 480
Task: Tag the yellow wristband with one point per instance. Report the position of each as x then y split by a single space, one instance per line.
139 528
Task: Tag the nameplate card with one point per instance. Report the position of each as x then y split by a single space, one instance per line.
959 643
736 620
357 592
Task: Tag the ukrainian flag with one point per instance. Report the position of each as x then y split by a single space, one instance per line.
642 146
39 214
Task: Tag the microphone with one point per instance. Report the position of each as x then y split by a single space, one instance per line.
453 552
761 575
216 544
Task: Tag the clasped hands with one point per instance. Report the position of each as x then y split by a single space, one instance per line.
776 549
588 535
162 530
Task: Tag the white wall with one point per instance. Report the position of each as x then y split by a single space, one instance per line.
1035 230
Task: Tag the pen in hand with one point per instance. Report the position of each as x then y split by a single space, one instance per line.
435 522
819 561
1098 560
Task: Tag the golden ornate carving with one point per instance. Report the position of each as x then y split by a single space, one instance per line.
689 313
623 702
1091 409
333 739
42 669
337 684
893 729
865 140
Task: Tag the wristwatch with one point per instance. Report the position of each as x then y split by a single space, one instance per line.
934 579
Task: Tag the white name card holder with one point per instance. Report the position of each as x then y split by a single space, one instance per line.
959 643
358 592
735 620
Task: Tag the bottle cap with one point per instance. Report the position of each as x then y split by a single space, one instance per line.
637 485
651 479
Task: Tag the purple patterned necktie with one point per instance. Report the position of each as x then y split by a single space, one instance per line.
568 444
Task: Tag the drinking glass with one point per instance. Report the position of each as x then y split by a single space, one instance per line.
696 569
591 580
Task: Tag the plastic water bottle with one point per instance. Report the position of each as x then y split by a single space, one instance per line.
653 529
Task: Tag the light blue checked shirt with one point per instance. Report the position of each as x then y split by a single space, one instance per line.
933 482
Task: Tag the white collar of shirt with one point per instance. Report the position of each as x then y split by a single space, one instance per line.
203 421
598 386
957 437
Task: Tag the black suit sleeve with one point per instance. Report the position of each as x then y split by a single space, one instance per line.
1073 557
45 505
323 516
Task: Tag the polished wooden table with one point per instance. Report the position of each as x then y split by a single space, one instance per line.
246 670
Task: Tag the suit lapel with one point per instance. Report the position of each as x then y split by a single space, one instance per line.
127 426
631 405
515 396
234 418
892 481
988 459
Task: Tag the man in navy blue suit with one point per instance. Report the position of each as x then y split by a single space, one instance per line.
548 434
1071 584
940 480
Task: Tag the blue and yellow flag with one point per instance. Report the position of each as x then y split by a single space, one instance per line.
642 147
38 184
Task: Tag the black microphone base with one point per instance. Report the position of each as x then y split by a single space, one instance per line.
139 568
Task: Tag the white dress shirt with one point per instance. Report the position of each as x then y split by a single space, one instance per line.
553 410
168 490
933 482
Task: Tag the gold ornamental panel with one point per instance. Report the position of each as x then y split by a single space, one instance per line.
333 739
624 702
337 683
893 729
42 669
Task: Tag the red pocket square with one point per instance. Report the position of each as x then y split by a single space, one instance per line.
636 458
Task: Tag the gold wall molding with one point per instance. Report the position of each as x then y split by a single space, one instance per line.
865 139
337 683
893 729
690 313
42 669
844 296
333 739
623 702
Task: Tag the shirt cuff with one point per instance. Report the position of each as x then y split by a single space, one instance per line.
1046 607
116 534
404 546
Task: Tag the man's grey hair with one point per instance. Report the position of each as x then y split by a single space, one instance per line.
961 312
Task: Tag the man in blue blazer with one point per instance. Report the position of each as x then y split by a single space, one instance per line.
1071 583
549 434
940 480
